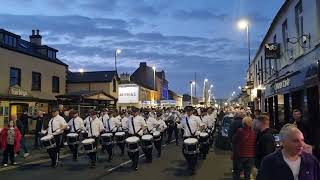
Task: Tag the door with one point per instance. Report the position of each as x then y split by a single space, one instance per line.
17 109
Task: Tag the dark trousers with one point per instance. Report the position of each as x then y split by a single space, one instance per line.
109 149
245 164
172 129
134 156
54 153
93 157
9 152
148 153
74 150
158 146
204 149
121 146
37 142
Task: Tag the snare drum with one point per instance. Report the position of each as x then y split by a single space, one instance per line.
203 138
190 146
72 138
132 144
120 137
146 141
156 136
89 145
48 141
106 138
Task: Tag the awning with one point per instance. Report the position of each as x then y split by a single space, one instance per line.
89 95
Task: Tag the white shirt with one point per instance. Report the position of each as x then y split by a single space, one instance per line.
294 166
206 121
138 123
56 124
124 124
194 123
212 118
162 125
94 127
152 124
104 118
76 124
112 124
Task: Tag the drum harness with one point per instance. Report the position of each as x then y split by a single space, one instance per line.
134 129
192 134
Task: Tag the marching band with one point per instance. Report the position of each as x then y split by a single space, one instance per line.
131 130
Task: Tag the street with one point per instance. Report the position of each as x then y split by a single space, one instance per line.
171 165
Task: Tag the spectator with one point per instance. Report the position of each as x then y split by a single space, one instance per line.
10 143
24 118
22 130
236 124
243 152
303 127
39 126
265 143
290 163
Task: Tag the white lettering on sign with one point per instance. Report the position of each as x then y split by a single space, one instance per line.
281 84
128 93
17 91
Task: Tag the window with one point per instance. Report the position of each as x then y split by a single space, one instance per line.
55 84
261 69
51 54
299 19
285 35
36 81
10 40
15 76
114 84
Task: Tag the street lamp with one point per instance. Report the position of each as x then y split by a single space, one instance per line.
191 83
244 24
81 70
239 88
204 87
154 77
116 53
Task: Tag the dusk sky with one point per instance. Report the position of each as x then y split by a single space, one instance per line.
179 36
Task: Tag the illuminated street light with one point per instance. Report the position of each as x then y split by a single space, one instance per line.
191 83
244 24
239 87
81 70
154 77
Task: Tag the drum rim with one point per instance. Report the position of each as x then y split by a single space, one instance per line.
194 140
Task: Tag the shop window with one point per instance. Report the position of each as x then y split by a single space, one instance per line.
285 35
36 81
299 19
15 76
55 84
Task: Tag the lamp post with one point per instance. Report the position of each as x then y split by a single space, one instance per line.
116 53
191 83
81 70
244 24
154 77
204 89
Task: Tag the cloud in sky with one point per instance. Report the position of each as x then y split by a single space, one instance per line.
181 37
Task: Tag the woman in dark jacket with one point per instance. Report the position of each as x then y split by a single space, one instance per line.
244 146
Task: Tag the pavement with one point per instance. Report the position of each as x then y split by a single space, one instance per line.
171 165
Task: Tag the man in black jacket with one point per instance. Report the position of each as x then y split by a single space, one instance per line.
265 142
39 126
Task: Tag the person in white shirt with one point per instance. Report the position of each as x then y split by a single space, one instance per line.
94 128
151 127
57 125
172 122
160 128
136 126
75 125
104 116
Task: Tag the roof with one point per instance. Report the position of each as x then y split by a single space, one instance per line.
85 94
30 49
143 76
93 76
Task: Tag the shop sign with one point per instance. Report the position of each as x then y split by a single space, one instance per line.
128 93
281 84
168 102
17 91
272 50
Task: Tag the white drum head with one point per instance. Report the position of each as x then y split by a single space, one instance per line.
147 137
132 139
107 134
156 133
47 137
190 141
204 134
72 135
120 134
88 141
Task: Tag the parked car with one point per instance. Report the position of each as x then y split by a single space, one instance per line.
223 140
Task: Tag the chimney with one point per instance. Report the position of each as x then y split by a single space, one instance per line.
143 64
35 38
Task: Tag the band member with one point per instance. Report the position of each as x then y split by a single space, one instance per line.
57 125
122 128
136 126
94 127
111 125
161 128
76 125
104 116
151 127
192 126
207 126
172 122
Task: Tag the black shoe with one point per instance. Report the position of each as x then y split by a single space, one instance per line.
109 159
159 155
93 165
135 168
